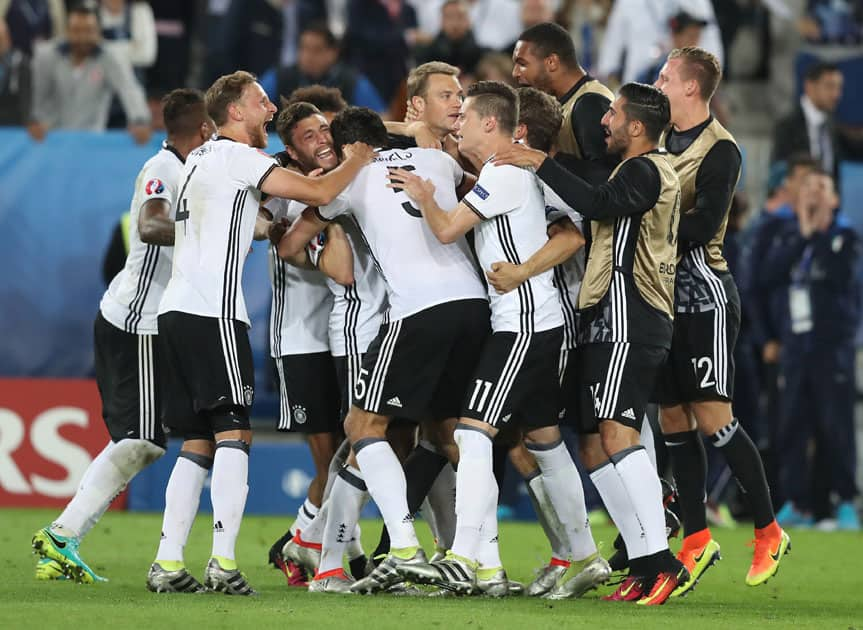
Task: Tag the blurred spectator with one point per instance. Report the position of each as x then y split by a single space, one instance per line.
318 63
74 79
256 35
130 28
833 22
455 43
175 25
429 22
818 257
494 66
685 30
636 30
14 81
585 21
378 43
31 21
811 128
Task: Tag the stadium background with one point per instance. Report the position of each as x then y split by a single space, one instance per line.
61 199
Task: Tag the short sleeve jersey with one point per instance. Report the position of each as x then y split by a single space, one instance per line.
420 271
510 202
301 302
132 300
216 213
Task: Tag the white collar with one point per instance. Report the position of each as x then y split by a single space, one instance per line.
814 116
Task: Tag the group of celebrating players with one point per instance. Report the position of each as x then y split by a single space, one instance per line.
446 291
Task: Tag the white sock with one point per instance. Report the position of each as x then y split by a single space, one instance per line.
563 484
645 492
616 499
475 488
182 496
488 552
347 498
441 500
355 546
336 464
646 440
547 517
228 490
314 531
105 478
305 514
386 484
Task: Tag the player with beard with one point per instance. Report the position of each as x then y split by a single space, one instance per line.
202 317
626 310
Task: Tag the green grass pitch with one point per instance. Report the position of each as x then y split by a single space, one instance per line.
818 586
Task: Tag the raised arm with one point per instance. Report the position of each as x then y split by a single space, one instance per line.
335 257
318 191
448 227
155 225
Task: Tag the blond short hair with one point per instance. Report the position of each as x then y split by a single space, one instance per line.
418 79
226 90
700 65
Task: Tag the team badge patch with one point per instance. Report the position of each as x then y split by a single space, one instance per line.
480 192
300 415
154 187
248 395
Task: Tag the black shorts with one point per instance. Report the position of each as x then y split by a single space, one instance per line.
207 368
617 380
127 369
700 365
517 380
570 387
347 370
419 367
308 393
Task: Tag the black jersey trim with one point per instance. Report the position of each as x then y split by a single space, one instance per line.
145 280
473 208
234 256
264 176
278 307
525 290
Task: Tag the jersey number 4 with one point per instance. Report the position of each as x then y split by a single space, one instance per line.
183 209
407 205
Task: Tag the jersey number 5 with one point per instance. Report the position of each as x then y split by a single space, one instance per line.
407 205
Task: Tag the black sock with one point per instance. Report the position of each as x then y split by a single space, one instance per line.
275 553
745 463
422 467
499 455
689 466
358 567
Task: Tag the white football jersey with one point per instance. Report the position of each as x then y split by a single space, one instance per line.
216 212
359 309
510 202
301 299
131 302
569 274
420 271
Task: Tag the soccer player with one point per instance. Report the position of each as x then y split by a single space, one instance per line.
202 316
127 361
695 388
625 323
419 365
516 380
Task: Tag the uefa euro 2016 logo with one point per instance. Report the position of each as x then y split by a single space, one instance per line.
154 187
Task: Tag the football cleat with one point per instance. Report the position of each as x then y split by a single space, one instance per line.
453 573
630 589
160 580
303 553
496 585
847 518
64 551
663 586
771 543
48 569
789 516
387 573
697 559
335 581
581 577
227 581
546 577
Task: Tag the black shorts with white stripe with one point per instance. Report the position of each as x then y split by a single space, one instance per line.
127 369
207 366
419 367
700 365
616 381
347 370
569 371
308 393
517 380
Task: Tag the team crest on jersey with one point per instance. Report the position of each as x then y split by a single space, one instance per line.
299 413
248 395
154 187
480 192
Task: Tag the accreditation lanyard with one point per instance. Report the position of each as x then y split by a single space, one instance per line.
799 296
